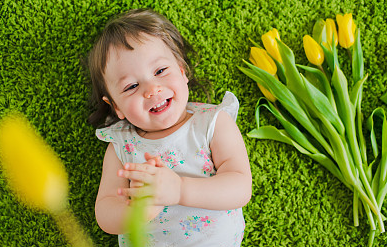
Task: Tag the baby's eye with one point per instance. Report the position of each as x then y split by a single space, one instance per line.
133 86
158 72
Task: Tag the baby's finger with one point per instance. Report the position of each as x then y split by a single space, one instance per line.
135 184
157 159
148 168
148 156
144 191
159 163
136 175
130 165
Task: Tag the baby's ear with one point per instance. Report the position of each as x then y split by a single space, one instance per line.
184 74
107 101
104 98
120 115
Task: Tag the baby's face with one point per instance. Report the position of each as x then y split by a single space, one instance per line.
148 86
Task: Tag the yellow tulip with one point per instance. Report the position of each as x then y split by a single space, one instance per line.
32 167
270 43
346 30
262 60
331 31
267 93
313 51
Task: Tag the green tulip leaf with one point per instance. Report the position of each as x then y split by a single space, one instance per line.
322 104
324 83
293 78
382 180
331 56
280 71
255 43
291 129
319 31
356 92
272 133
345 107
357 59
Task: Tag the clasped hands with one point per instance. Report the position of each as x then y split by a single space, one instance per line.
151 179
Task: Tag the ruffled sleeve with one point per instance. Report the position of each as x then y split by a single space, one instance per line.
205 115
115 133
112 132
230 104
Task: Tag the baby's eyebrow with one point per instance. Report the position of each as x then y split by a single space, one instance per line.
121 79
157 59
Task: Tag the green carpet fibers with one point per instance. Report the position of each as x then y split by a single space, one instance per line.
295 201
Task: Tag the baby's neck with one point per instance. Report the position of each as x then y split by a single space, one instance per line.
154 135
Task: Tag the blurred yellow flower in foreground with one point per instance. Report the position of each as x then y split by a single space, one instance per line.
270 43
262 60
313 51
34 171
346 30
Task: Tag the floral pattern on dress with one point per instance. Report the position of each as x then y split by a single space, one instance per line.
232 212
160 218
166 232
102 135
208 167
130 146
170 159
195 224
203 107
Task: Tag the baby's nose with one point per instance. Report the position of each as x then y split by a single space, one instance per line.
152 91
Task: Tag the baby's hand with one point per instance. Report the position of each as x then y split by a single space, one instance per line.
164 183
148 157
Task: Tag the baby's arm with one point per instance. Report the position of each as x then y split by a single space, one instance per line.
110 206
230 188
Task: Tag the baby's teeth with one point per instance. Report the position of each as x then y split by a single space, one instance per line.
158 105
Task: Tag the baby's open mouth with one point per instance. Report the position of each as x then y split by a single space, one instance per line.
160 107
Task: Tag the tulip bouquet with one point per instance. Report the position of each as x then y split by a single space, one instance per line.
320 112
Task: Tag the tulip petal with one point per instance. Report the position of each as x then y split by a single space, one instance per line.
313 51
346 30
270 44
331 31
357 59
319 33
261 59
34 170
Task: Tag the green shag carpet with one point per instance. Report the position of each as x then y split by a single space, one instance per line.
295 202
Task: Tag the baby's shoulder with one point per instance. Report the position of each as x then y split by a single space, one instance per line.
111 132
229 104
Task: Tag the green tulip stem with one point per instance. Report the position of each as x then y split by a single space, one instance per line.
349 53
370 217
355 208
320 67
275 105
371 238
72 230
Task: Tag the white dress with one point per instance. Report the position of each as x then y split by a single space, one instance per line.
187 152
